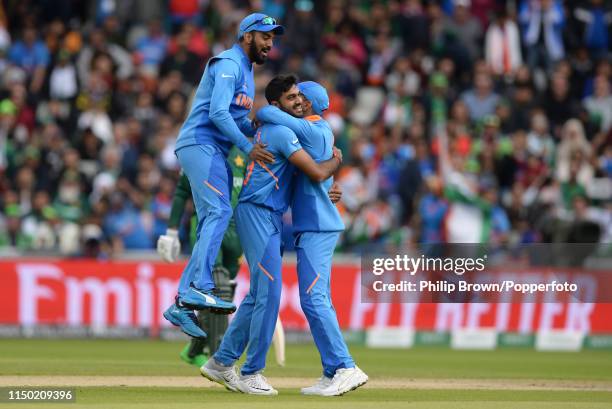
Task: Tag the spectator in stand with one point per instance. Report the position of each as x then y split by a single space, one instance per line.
558 103
92 243
384 52
11 232
98 44
500 224
542 23
437 100
481 100
63 79
95 103
304 31
539 141
521 100
151 49
95 117
276 8
25 185
596 19
352 52
70 203
466 29
182 11
124 225
104 182
432 210
412 23
181 59
38 225
599 105
503 45
195 41
403 80
571 154
31 54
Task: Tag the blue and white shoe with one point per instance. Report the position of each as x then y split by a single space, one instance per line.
206 300
186 319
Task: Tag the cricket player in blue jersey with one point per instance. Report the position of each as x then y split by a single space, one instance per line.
317 226
217 121
264 198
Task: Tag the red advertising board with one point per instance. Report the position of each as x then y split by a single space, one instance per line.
134 294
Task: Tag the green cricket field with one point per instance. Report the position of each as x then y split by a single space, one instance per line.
130 374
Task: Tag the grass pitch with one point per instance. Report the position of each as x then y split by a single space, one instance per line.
416 378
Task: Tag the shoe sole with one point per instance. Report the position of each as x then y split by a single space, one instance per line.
219 381
275 393
352 388
214 310
176 323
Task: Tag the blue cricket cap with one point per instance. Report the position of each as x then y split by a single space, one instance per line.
259 22
316 94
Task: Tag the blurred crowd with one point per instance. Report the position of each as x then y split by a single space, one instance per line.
460 120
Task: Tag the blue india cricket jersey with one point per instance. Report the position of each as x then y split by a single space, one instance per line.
270 184
311 207
227 82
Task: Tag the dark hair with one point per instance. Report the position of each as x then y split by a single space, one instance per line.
279 85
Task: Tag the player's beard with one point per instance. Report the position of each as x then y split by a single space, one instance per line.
255 54
296 109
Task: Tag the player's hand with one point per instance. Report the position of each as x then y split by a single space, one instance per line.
169 245
259 152
335 193
337 153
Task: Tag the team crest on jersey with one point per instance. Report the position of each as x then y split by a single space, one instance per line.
244 101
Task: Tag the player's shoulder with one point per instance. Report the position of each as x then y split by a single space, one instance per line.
278 130
322 123
321 128
225 64
279 135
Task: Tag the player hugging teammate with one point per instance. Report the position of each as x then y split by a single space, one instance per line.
291 163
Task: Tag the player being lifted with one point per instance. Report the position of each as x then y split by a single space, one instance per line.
317 226
217 121
225 270
226 264
264 198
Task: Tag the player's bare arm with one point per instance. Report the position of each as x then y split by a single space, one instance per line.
317 172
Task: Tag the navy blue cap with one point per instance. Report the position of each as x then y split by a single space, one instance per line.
259 22
316 94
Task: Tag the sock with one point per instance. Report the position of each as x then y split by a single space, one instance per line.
214 364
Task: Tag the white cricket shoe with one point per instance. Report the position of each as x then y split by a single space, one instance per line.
226 376
345 380
256 384
316 389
